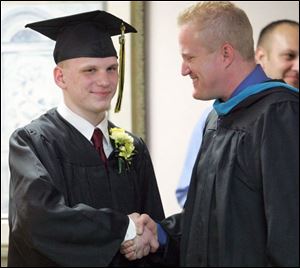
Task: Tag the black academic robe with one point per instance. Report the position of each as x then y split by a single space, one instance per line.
64 208
242 208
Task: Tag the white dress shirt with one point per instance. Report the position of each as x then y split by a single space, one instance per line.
86 128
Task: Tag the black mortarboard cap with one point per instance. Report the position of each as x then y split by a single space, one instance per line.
82 35
87 35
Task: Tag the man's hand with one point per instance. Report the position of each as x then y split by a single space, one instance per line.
144 220
146 240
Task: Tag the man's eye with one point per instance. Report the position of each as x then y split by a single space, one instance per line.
112 68
189 58
90 70
290 56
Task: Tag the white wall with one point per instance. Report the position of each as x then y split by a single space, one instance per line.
172 112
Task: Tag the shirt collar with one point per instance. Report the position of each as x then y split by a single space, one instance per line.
82 125
257 76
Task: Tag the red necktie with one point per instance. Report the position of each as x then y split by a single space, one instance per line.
97 140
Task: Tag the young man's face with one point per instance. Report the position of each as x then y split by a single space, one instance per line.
89 84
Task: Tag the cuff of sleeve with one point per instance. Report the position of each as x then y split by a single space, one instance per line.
162 236
131 230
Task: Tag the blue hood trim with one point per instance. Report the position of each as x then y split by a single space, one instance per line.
223 108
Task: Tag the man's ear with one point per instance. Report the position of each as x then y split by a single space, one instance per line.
227 54
260 56
59 77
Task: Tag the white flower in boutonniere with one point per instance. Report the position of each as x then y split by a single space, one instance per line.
124 147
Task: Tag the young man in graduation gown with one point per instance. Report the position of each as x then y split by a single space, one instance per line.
75 176
242 208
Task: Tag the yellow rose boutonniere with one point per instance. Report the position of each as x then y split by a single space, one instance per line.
124 147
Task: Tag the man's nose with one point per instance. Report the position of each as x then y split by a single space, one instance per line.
103 79
295 66
185 69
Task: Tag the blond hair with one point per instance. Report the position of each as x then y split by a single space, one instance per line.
219 22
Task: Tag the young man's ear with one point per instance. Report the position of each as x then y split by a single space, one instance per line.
59 77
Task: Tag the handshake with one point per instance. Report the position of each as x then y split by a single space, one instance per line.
145 241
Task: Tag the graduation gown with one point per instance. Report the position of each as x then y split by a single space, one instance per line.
242 208
64 208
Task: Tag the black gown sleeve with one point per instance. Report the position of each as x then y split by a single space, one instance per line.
280 172
43 228
173 227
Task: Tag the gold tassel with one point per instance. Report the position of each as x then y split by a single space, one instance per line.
121 68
